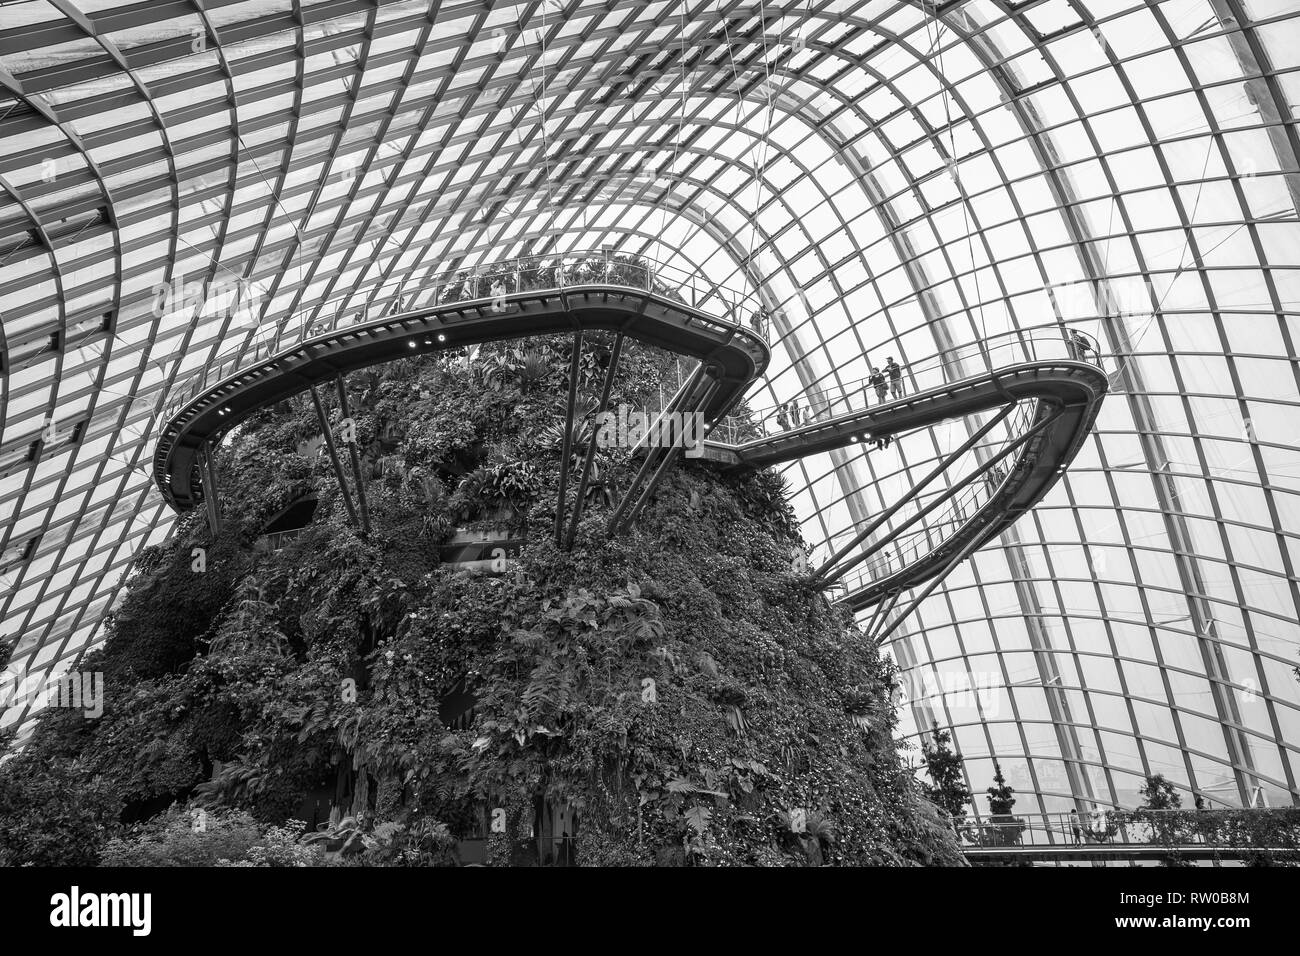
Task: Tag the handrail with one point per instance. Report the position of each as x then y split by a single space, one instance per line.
469 296
1230 827
559 272
912 546
1011 348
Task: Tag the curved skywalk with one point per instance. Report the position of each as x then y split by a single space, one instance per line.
1064 395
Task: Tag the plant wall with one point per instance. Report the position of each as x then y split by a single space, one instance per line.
682 693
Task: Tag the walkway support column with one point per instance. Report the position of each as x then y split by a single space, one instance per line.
943 466
670 457
605 391
951 494
210 492
561 496
650 457
356 458
334 456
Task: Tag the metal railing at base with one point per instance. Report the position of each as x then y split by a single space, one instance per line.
1273 829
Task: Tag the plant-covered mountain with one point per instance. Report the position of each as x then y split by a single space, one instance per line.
679 695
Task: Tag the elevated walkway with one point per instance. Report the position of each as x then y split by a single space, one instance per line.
1135 836
1064 399
1047 392
733 356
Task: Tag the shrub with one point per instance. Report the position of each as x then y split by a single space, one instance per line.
175 839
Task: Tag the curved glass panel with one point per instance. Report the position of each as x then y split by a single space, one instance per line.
181 192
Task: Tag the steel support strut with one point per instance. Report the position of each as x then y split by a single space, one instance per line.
605 391
880 614
616 519
670 457
912 493
969 479
356 457
958 558
210 491
561 496
334 456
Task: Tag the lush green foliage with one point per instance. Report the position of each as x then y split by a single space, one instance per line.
1159 794
52 813
947 787
691 697
1005 829
1001 795
1268 837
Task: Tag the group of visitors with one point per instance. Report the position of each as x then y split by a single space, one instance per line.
1097 830
787 415
790 416
888 384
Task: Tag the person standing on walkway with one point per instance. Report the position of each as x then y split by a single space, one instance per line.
877 381
783 418
1080 345
1075 826
1097 824
895 373
794 413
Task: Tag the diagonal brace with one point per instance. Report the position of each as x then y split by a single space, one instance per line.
857 559
362 506
334 456
561 496
605 392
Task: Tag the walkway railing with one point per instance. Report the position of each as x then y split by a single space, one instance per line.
1277 829
940 369
492 284
909 548
821 402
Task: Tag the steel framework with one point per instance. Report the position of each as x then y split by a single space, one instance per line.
890 176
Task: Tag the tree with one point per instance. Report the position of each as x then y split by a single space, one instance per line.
1159 794
1005 829
1001 795
944 767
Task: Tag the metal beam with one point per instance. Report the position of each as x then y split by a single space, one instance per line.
362 507
650 455
561 501
669 458
982 470
334 456
913 492
951 492
605 391
210 492
966 551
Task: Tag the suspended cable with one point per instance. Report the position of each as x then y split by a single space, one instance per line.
963 201
765 141
1123 363
677 143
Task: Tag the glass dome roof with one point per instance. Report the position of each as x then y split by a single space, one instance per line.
894 177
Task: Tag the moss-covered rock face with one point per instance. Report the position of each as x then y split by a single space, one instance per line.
679 695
